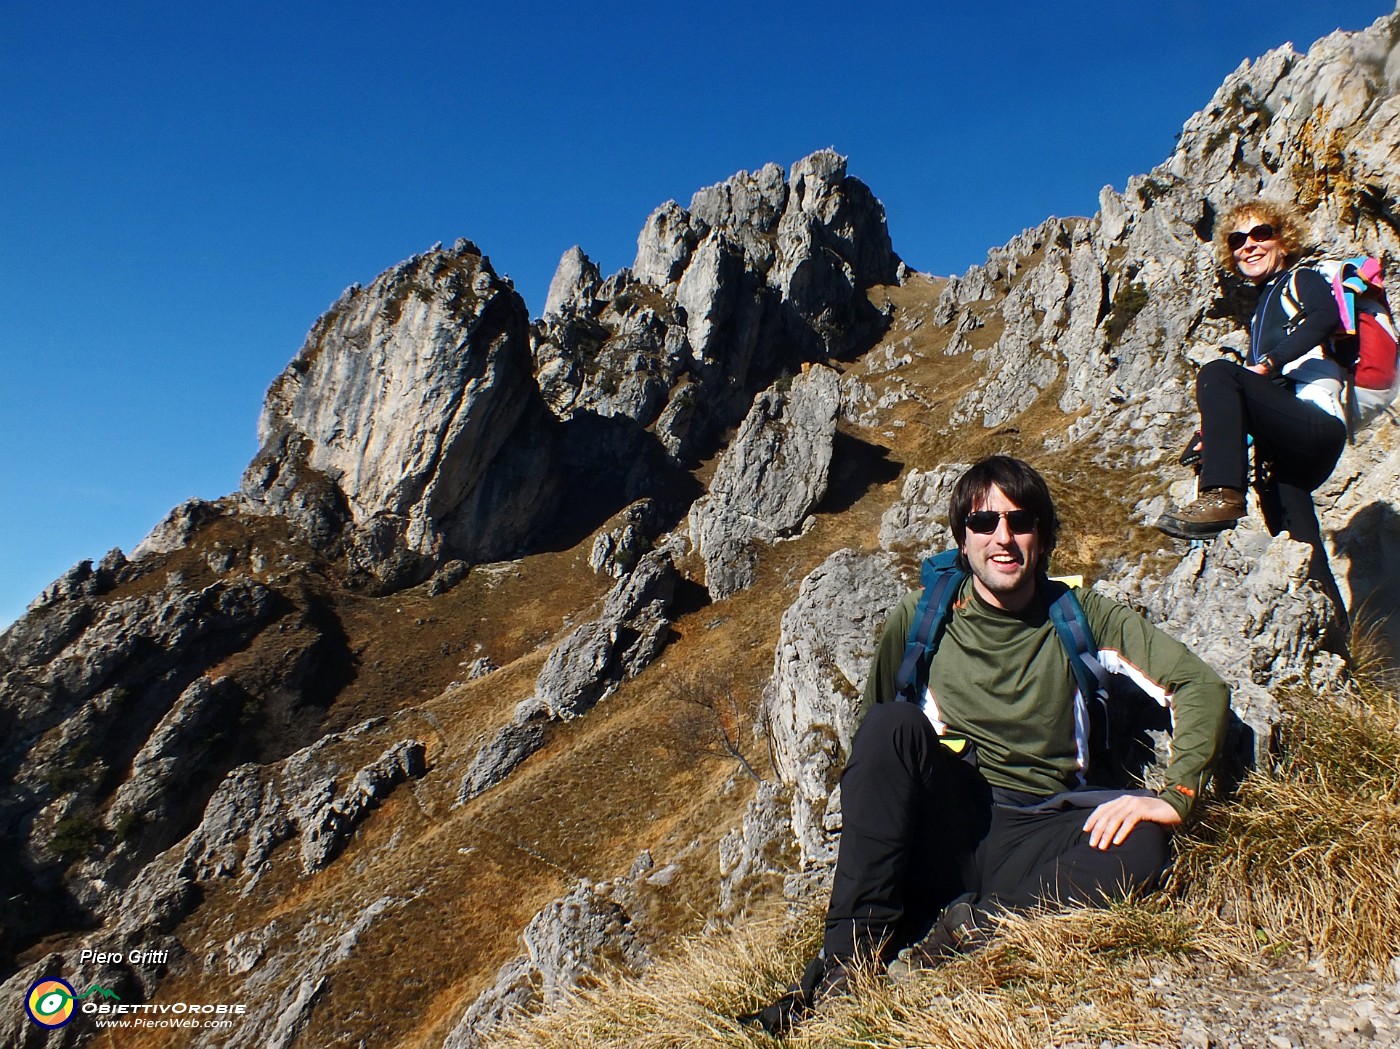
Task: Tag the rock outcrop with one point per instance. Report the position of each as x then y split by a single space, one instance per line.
758 850
1245 605
572 937
617 550
811 703
316 797
758 276
112 716
410 420
584 668
595 658
769 480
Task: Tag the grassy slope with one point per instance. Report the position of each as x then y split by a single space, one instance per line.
630 775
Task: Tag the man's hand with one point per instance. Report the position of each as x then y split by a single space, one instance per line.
1112 822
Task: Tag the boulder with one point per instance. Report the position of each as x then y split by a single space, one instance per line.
771 478
570 938
812 702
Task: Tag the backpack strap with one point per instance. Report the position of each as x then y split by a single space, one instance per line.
1288 295
1073 627
941 577
1089 674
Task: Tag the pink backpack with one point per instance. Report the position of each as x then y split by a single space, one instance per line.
1364 342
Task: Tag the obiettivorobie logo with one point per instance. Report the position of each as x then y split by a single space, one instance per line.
51 1001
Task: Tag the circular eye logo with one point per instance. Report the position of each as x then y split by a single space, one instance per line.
50 1002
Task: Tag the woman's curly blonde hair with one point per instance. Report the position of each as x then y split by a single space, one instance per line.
1287 223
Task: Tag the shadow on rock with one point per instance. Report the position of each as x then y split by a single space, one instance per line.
857 466
1371 542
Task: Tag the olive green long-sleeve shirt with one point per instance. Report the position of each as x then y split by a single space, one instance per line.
1003 680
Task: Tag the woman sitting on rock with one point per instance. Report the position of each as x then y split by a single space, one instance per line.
1288 395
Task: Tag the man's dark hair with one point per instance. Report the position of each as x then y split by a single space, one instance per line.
1020 483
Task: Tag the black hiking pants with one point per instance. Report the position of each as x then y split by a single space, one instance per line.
921 827
1299 441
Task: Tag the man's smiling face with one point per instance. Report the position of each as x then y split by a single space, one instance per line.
1005 562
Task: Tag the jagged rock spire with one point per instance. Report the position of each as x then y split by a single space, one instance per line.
411 419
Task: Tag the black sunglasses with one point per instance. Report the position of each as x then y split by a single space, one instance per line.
984 522
1258 234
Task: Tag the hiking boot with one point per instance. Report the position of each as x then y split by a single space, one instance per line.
1215 510
959 930
822 979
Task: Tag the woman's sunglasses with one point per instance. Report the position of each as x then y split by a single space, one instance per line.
984 522
1258 234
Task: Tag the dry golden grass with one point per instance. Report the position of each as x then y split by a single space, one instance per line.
1078 975
1308 856
1304 860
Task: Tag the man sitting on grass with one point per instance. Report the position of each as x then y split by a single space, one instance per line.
965 794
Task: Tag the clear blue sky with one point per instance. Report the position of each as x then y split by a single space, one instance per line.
187 186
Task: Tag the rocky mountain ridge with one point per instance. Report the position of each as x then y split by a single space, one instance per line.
229 744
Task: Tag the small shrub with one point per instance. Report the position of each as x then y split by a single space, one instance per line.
74 836
1130 300
128 825
72 769
63 779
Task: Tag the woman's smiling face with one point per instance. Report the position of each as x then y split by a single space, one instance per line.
1258 260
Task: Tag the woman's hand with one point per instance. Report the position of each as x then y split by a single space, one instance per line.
1112 822
1262 368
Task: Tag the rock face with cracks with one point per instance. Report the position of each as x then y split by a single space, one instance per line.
770 479
411 418
759 275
